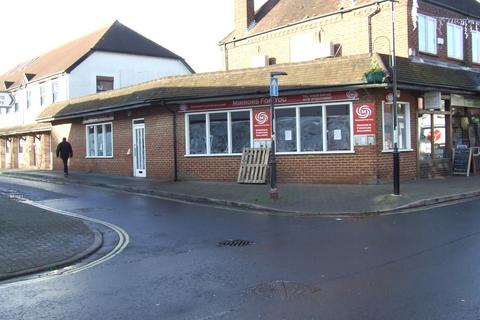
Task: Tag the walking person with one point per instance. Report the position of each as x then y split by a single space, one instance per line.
65 151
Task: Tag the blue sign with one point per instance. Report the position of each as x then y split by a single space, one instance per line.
273 87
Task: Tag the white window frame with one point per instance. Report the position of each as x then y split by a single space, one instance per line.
43 94
475 46
8 146
408 147
28 98
104 138
55 90
429 25
207 132
454 41
324 128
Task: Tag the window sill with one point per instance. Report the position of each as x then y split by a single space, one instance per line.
212 155
456 59
400 150
91 157
314 153
430 54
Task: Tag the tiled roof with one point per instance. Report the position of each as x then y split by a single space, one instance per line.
23 129
113 38
468 7
279 13
344 71
327 74
425 74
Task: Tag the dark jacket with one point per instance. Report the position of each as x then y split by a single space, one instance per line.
64 150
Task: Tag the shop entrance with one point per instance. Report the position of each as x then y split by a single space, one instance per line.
139 162
434 143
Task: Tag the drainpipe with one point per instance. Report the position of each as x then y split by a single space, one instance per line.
226 55
175 160
369 18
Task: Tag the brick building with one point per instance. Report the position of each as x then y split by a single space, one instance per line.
333 118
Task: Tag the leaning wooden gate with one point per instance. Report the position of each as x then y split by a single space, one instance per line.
254 165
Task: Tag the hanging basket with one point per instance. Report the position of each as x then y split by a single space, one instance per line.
374 76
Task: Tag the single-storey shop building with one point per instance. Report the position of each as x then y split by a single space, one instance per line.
332 125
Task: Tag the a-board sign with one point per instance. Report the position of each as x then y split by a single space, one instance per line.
462 158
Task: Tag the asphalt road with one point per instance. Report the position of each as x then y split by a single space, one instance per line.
419 265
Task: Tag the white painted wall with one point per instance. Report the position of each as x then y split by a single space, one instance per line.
124 68
26 115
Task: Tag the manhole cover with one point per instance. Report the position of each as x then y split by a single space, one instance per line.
234 243
281 289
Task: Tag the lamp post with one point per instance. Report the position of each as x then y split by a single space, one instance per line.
273 162
396 154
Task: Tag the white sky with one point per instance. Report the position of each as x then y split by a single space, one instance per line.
190 28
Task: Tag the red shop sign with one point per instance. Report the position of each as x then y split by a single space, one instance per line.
261 125
364 118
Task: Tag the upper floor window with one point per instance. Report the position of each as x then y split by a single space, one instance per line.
29 98
476 46
55 91
454 41
43 94
427 34
104 83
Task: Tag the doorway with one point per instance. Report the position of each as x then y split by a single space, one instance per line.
434 144
139 156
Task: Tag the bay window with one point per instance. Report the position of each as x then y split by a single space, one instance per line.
454 41
427 34
99 140
217 133
403 126
317 128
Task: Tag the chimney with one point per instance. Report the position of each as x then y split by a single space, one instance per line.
244 15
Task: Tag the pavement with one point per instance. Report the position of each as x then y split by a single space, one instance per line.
33 240
294 199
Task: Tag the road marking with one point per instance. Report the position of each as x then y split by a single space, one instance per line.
123 242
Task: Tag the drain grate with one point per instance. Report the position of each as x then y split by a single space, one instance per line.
235 243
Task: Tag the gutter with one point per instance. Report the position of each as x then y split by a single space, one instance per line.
165 101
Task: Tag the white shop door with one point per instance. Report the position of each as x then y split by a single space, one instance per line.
139 161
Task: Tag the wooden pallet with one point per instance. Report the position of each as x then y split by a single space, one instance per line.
254 165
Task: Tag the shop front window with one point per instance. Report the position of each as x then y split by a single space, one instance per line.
240 131
219 133
338 127
286 130
227 132
311 129
319 128
403 126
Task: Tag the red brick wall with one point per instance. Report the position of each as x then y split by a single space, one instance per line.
42 160
158 144
436 11
367 165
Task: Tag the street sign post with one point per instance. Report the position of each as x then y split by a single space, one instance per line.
6 99
273 87
273 161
